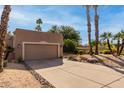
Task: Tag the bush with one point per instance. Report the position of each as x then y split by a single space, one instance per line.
5 63
8 50
20 60
69 46
80 52
106 52
76 51
114 50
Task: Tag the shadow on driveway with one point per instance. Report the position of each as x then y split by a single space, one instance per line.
112 67
41 64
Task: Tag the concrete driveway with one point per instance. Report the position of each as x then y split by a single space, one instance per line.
70 74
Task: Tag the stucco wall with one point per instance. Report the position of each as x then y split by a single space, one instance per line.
22 35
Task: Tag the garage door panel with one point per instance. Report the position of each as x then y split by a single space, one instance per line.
38 51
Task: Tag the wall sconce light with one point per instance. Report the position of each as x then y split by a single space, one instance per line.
18 45
61 45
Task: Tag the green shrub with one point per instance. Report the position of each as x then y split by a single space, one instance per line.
8 50
80 52
76 51
20 60
106 52
69 46
5 63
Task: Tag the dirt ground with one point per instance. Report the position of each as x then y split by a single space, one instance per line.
15 75
106 60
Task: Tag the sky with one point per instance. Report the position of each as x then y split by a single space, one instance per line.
111 18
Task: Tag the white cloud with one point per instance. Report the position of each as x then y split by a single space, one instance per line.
18 16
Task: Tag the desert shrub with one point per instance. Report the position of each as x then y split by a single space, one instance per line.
106 52
101 52
114 50
20 60
76 51
73 58
122 52
81 52
5 63
8 50
69 46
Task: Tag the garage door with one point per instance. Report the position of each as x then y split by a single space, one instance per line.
40 51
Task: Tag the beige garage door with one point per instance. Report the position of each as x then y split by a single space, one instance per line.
39 51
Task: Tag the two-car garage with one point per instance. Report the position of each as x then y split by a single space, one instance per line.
40 50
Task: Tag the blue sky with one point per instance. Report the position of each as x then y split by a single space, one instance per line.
111 18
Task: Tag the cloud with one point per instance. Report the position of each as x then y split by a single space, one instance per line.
19 16
51 15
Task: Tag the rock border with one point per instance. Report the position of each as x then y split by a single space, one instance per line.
44 83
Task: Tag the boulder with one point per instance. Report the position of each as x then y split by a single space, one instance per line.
92 60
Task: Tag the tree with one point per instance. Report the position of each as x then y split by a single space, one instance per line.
89 29
54 29
122 45
39 23
107 36
70 35
67 32
96 20
117 37
3 32
69 46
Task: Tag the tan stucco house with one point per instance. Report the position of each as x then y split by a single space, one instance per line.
32 45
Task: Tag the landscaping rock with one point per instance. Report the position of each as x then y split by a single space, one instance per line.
83 58
92 60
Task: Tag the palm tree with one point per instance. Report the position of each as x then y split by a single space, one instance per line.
106 36
122 45
118 37
89 29
96 20
39 23
3 32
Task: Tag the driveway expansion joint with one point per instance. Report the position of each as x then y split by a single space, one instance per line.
113 82
81 77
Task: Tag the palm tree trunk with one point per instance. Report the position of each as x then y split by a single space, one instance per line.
122 46
109 46
89 30
118 46
96 30
3 31
6 56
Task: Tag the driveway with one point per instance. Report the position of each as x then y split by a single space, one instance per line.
71 74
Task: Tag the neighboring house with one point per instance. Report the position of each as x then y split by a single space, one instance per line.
32 45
